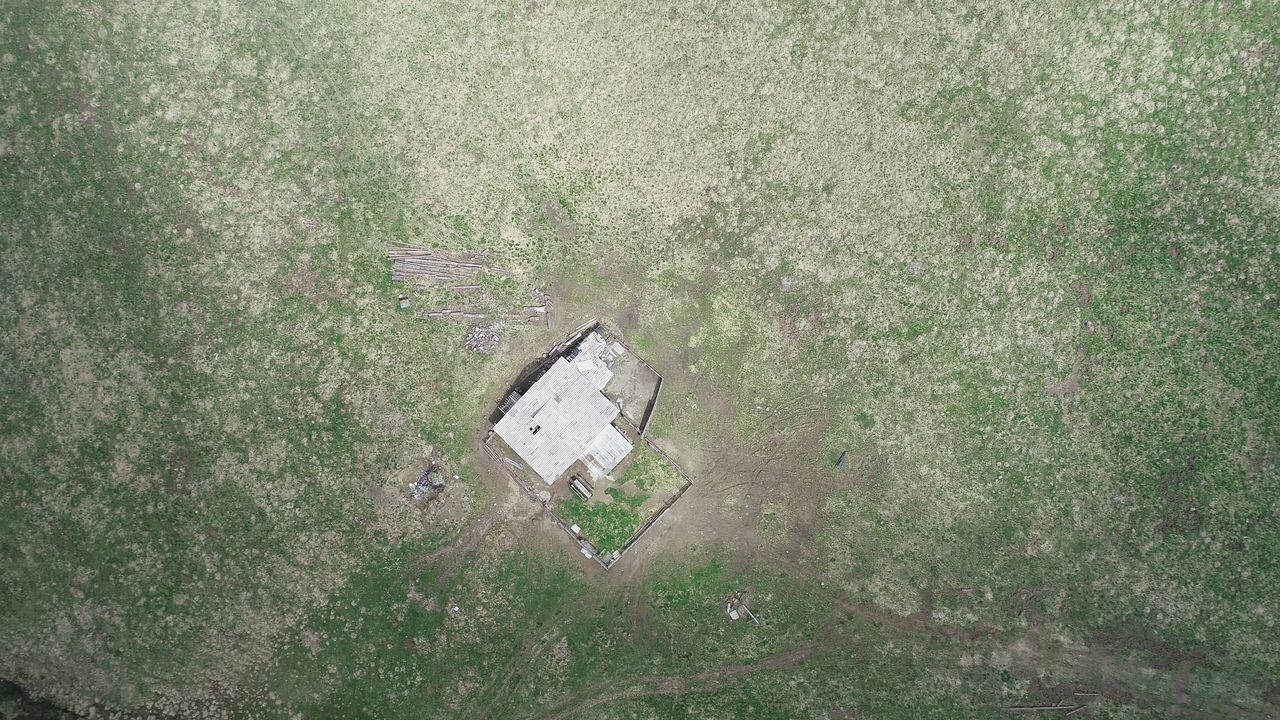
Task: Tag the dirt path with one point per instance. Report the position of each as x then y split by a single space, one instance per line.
450 558
530 653
1181 681
707 681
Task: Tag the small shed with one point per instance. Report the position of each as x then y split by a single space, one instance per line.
580 487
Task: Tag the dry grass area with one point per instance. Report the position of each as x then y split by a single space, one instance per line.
1017 261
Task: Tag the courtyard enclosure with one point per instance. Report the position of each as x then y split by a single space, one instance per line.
576 426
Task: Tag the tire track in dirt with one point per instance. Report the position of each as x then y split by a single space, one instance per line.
448 559
530 652
706 681
1086 662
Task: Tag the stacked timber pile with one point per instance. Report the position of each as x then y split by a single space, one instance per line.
432 269
452 313
421 266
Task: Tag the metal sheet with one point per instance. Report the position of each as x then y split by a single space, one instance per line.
561 419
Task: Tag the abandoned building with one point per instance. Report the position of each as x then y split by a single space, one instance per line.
563 418
573 419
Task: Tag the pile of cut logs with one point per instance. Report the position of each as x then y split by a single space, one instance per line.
421 266
431 268
455 314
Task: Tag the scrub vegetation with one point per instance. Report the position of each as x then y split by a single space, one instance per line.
1016 262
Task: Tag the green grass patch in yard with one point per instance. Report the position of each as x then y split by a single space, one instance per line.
650 472
607 525
631 500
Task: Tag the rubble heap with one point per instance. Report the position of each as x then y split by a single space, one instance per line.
483 337
429 482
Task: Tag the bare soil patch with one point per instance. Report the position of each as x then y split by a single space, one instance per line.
558 217
306 282
1181 514
181 477
632 386
1060 694
733 482
1084 298
1132 638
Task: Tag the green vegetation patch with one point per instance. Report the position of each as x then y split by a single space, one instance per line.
631 500
650 472
608 525
647 481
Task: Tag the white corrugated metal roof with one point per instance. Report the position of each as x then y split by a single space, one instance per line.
606 451
563 418
593 357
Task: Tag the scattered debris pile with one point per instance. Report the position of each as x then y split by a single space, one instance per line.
430 482
420 266
736 607
536 314
483 337
541 311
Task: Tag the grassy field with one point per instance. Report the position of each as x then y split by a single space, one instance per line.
1019 262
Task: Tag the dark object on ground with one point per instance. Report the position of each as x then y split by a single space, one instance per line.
430 482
